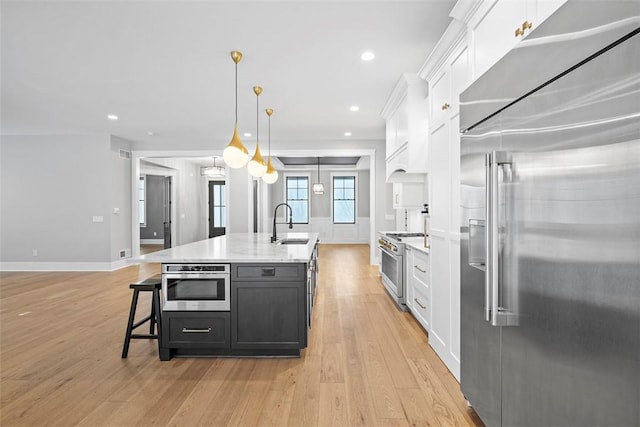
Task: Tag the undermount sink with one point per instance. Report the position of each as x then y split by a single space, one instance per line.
293 241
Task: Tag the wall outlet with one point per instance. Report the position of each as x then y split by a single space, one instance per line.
35 252
125 253
97 218
155 233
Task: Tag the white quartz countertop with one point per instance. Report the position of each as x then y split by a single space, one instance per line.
237 247
415 243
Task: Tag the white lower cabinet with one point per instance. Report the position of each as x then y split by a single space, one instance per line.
418 292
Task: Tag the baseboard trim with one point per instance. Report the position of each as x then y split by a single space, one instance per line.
63 266
152 241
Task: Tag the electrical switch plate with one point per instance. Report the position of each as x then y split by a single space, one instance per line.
98 218
35 252
116 211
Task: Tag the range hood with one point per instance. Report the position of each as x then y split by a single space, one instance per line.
401 175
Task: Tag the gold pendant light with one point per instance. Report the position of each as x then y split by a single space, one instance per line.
236 155
257 166
271 175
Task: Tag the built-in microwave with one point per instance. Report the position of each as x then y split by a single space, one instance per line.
196 287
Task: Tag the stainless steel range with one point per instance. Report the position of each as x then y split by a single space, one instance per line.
392 264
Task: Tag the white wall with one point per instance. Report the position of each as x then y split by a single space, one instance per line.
120 172
51 187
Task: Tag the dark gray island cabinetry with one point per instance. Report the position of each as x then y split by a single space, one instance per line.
268 308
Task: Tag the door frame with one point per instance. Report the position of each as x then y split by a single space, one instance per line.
137 169
210 182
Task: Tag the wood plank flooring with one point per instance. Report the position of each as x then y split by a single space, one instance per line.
367 363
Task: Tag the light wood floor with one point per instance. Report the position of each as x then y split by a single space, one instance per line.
367 363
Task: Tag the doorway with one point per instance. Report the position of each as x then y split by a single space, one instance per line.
217 208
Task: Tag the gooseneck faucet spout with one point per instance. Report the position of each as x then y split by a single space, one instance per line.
274 236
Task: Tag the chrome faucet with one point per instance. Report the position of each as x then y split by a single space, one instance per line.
274 236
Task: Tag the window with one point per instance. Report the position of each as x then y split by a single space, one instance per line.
219 204
142 193
297 189
344 199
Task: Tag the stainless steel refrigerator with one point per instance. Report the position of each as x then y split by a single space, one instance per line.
550 235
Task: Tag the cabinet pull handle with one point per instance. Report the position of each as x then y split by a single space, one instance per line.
445 106
196 331
419 269
526 25
519 32
269 271
420 304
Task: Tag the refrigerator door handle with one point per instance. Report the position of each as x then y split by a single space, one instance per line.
488 272
494 313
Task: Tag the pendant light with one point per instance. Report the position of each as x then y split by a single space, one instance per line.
236 155
271 175
213 171
257 166
318 188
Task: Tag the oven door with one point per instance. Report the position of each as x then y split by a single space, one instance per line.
391 271
196 292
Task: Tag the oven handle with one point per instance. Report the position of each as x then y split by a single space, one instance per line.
387 252
196 275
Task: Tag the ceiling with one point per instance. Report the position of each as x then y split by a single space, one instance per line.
164 67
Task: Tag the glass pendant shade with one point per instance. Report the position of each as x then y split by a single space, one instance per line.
235 155
271 175
257 166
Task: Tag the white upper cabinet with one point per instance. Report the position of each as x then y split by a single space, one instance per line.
497 26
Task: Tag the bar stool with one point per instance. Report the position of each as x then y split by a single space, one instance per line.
150 284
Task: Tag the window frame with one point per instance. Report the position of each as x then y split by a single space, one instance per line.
347 174
286 195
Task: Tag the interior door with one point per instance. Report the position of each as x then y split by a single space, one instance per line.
166 205
217 208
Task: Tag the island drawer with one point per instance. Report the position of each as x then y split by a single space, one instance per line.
267 272
210 329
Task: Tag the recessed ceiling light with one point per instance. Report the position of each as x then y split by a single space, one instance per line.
347 134
354 108
247 134
367 55
112 117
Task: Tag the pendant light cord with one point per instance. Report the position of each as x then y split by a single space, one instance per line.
236 93
269 137
257 119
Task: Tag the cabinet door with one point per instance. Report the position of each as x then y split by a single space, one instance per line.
439 180
460 77
268 315
493 32
440 97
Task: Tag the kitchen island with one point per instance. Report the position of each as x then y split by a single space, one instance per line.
237 295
